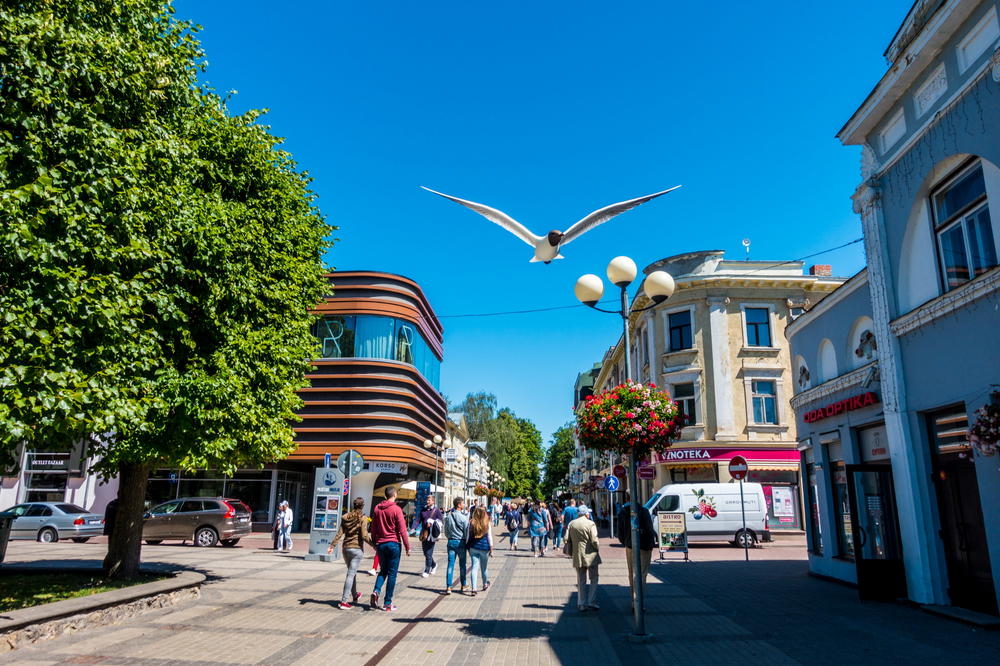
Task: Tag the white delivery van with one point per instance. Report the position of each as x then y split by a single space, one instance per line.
713 511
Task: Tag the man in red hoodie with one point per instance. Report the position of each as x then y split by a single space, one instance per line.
388 531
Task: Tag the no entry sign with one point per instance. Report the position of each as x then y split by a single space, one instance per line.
619 471
738 468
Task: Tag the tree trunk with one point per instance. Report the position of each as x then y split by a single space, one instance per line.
125 542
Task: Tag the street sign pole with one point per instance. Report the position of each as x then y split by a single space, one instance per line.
611 496
743 510
738 469
350 470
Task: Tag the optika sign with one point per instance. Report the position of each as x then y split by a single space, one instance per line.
846 405
683 454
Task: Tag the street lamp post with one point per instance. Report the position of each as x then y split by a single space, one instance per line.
437 446
659 286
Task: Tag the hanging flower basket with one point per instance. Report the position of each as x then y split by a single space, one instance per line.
494 492
480 490
632 419
984 435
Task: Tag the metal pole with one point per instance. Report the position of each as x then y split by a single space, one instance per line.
638 598
350 473
743 511
611 498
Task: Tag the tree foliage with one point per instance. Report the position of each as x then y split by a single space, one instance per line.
513 445
557 459
158 255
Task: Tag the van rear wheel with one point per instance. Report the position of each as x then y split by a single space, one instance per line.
745 539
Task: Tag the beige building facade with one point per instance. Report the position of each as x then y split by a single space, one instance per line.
718 347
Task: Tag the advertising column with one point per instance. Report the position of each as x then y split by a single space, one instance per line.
328 497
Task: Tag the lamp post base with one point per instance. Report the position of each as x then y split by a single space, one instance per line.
640 638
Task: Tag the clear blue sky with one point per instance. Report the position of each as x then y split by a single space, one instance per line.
549 110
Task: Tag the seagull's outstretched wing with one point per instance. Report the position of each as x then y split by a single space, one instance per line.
604 214
497 216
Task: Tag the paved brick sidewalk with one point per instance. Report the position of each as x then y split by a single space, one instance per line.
266 608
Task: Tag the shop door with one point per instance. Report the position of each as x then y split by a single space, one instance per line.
878 553
970 577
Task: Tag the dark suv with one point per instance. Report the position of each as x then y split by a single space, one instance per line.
205 521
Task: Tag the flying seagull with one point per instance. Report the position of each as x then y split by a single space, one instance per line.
547 246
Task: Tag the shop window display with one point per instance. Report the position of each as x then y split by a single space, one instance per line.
812 500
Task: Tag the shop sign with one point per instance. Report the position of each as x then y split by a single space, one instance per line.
677 455
874 444
56 462
672 532
841 406
386 467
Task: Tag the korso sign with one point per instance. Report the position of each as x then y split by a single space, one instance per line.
386 467
738 468
647 472
841 406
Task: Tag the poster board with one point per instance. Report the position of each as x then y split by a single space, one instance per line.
671 530
783 503
327 508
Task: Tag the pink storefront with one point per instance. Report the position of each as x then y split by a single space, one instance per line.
777 470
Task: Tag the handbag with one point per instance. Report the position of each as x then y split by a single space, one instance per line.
568 548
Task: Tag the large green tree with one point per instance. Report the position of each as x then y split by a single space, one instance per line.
513 445
158 255
557 459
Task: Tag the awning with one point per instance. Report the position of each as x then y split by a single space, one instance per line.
773 467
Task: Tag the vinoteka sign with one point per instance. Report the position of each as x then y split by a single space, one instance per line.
841 406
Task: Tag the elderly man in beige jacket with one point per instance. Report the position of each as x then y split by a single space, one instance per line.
583 547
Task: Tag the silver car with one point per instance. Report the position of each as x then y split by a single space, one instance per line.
50 521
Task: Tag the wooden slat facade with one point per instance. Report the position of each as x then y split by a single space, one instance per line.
384 409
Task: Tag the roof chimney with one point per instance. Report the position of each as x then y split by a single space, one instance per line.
821 270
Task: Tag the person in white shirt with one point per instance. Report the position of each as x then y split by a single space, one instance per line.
285 518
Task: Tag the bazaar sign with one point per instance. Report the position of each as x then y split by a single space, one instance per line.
841 406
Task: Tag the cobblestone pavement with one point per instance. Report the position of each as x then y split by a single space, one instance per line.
267 608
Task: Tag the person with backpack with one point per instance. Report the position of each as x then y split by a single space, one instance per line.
537 528
456 531
647 542
354 533
431 520
388 533
557 525
512 520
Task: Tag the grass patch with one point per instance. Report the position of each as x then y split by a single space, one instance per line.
23 590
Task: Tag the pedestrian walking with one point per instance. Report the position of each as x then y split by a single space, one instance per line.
456 531
480 544
284 521
512 520
354 533
647 543
569 514
431 520
536 528
583 546
557 524
388 533
495 511
547 537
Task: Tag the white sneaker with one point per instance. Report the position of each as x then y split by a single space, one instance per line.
424 575
372 572
434 569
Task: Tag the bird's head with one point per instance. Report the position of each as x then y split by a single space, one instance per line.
555 237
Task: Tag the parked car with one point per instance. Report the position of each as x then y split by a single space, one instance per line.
712 511
204 520
50 521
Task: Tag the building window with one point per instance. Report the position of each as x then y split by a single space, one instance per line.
815 533
765 408
679 324
842 509
643 348
758 327
684 397
963 228
336 336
